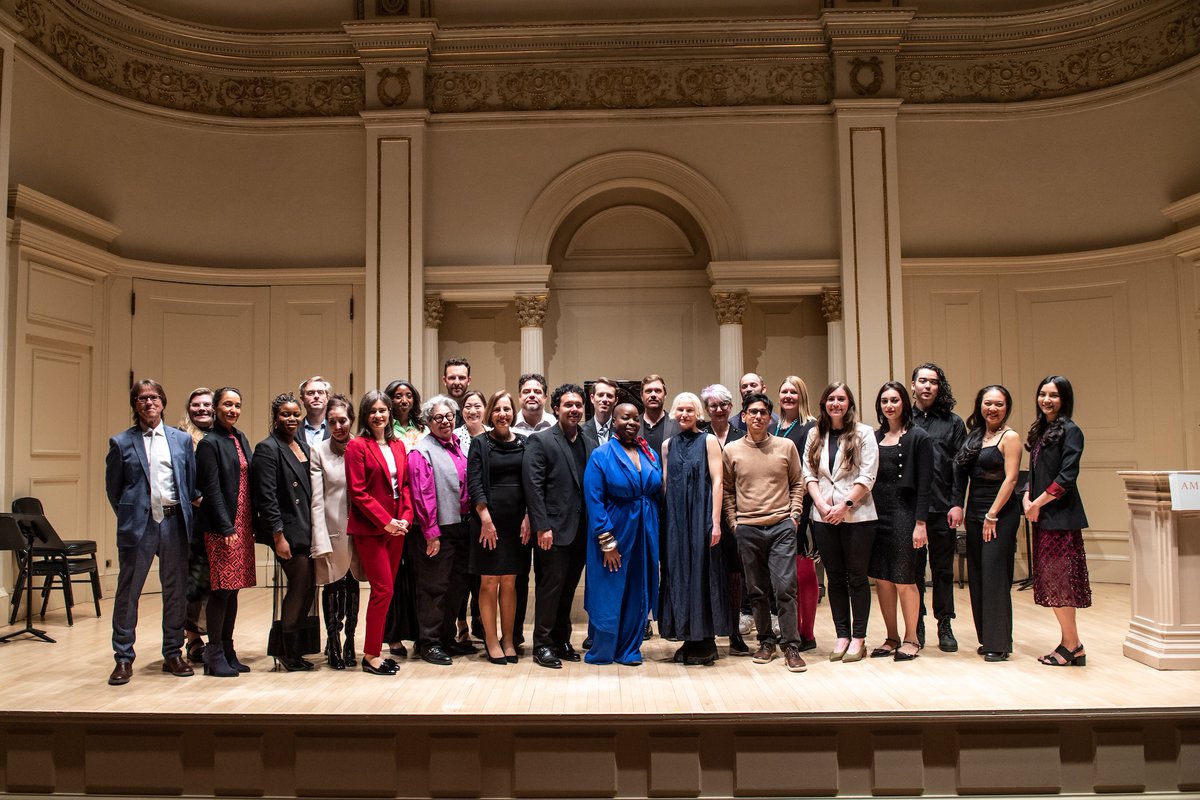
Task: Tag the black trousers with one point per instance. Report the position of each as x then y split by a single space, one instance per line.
990 576
558 571
441 586
940 556
846 553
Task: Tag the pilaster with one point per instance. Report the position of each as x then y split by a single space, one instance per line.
731 311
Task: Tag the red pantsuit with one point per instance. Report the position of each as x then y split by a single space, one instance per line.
375 502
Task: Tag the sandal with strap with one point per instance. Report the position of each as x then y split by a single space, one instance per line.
1070 658
883 651
900 655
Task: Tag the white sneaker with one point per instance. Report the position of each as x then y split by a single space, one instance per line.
745 624
775 624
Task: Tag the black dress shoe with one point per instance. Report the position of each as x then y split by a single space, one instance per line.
177 667
587 643
649 632
500 660
461 649
436 655
994 657
397 649
384 668
567 653
121 673
544 657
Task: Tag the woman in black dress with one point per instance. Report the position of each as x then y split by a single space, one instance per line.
1060 576
901 495
718 402
282 492
499 537
989 463
694 601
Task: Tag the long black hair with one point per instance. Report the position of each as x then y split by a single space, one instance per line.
944 403
977 426
414 415
1045 430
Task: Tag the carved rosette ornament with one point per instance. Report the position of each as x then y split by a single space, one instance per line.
435 309
531 310
730 307
394 87
831 304
866 75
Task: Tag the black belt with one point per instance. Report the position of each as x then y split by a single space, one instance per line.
170 511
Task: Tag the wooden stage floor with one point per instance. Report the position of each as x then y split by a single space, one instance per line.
70 676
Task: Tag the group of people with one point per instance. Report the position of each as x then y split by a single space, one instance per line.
690 514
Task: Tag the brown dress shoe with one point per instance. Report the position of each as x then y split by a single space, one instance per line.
795 663
177 667
765 653
121 673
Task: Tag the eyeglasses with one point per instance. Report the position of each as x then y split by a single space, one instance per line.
756 412
442 418
148 398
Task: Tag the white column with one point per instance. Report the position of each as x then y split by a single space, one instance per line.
531 313
731 308
835 332
435 309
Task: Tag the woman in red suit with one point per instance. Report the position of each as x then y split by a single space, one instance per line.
380 515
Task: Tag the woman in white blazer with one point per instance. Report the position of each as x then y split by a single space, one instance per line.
840 460
332 549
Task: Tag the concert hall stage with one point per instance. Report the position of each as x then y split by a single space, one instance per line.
944 724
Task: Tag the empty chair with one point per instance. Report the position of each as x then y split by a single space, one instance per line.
55 560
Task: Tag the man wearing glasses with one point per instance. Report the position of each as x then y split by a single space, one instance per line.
150 479
763 501
314 393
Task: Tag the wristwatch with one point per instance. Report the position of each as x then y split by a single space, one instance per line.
849 504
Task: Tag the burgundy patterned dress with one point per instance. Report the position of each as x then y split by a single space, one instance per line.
231 558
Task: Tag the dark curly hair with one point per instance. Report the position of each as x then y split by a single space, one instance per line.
944 403
279 402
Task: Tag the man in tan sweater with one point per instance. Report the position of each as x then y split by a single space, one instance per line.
763 501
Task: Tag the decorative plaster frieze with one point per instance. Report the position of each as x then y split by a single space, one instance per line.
639 65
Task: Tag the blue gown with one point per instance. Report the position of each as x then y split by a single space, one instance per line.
625 501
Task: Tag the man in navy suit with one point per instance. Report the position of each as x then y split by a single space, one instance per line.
150 477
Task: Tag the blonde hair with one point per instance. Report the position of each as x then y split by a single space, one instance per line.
689 397
801 388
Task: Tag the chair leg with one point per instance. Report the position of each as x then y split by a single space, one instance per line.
47 585
68 597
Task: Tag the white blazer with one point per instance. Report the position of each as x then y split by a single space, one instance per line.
835 486
332 549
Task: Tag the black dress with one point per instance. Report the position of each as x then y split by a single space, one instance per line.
694 599
893 556
990 564
506 504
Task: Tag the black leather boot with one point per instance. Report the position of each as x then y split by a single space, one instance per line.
350 593
331 607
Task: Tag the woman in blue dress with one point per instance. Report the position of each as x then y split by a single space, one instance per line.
622 486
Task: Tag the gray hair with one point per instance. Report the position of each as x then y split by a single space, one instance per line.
716 392
438 400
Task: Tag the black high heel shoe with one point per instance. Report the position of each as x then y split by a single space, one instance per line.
384 668
1070 658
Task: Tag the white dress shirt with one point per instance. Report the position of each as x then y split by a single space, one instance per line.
162 471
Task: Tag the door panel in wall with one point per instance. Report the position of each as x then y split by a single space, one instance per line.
187 336
311 334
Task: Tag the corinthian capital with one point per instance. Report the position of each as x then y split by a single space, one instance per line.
531 310
831 304
730 307
435 309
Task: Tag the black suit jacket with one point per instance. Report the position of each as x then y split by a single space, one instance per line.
218 476
916 467
554 484
589 430
1058 463
282 493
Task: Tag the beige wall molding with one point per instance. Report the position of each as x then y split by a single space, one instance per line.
1029 265
636 65
624 170
763 279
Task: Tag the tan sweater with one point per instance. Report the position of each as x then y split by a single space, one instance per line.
763 482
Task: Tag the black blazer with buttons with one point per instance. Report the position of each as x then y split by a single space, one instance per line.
916 467
282 493
1058 462
218 477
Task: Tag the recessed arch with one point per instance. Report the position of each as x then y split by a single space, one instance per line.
629 169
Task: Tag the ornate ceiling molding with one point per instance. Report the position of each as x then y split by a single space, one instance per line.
417 64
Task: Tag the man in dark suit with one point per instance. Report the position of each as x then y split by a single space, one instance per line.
150 478
314 393
553 475
598 429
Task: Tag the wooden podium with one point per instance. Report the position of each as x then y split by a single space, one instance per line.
1164 591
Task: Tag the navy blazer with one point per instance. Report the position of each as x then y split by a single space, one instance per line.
218 475
282 493
127 480
554 483
1058 463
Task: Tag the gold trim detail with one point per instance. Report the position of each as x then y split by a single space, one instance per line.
730 307
435 311
531 310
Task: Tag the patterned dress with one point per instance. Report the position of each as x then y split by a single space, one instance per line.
231 558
